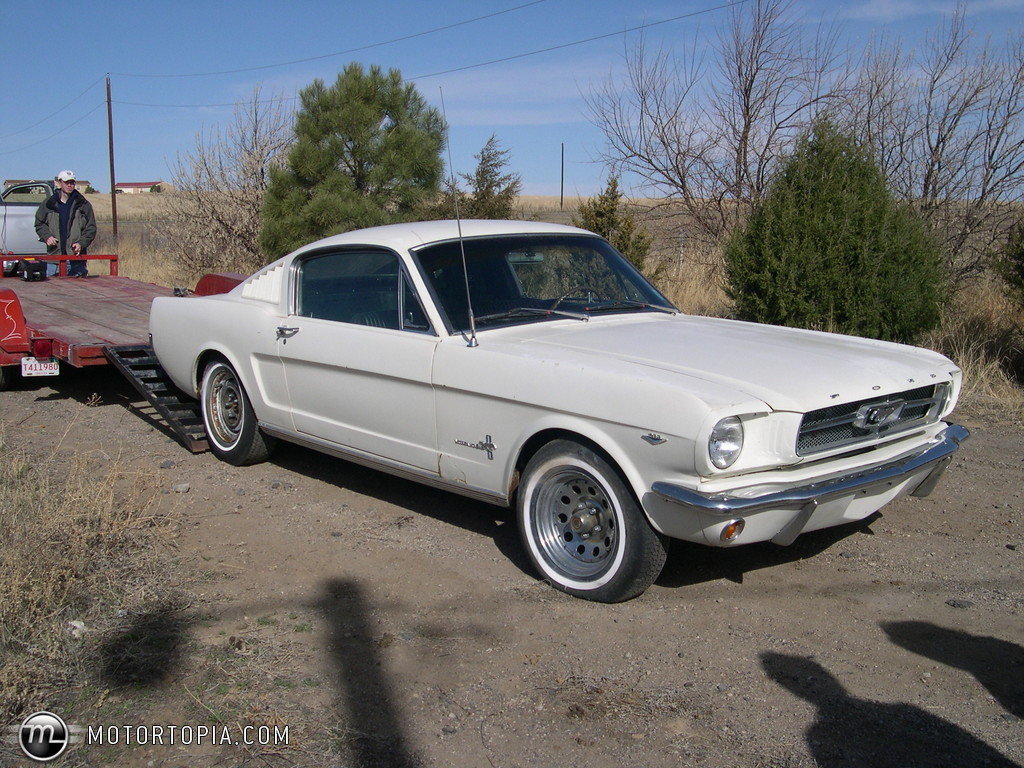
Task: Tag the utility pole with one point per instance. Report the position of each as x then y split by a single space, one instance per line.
561 190
110 140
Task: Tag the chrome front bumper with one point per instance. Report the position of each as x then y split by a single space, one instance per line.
936 455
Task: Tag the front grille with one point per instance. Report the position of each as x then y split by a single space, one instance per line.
865 420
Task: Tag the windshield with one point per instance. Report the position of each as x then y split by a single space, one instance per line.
531 278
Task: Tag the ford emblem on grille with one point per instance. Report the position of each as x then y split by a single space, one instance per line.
875 416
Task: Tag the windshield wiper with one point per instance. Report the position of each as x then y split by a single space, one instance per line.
531 312
630 304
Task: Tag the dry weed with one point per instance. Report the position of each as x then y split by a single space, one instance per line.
77 543
692 280
150 266
983 333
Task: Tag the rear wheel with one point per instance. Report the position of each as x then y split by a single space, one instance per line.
582 527
230 421
7 373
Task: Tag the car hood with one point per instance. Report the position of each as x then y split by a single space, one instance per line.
788 369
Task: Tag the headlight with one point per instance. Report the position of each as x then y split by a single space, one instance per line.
726 442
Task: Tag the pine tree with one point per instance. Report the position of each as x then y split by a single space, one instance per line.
491 193
367 151
606 216
830 248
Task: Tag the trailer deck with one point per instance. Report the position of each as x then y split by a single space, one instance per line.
83 316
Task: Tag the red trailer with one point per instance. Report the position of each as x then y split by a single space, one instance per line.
64 321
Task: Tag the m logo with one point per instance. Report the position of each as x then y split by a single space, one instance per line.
43 736
874 416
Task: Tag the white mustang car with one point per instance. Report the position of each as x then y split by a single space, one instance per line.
530 364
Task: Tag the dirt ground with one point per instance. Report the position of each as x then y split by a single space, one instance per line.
386 624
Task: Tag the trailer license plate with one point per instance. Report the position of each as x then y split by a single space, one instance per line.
34 366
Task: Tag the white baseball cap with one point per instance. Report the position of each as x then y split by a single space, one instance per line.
66 176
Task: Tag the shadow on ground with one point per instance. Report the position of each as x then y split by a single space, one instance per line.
689 564
854 733
147 650
996 664
375 737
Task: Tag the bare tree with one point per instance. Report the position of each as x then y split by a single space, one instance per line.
214 221
964 165
706 134
947 127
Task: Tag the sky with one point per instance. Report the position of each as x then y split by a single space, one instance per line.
519 70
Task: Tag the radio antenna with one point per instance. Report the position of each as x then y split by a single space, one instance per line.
458 223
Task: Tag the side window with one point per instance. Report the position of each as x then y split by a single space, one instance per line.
413 316
26 193
363 287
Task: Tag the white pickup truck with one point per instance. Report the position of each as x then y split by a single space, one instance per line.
18 205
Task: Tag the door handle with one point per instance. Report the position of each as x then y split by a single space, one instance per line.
284 332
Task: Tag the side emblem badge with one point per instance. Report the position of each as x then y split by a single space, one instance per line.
485 445
653 439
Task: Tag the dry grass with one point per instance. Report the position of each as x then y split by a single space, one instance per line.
143 207
983 333
141 263
79 548
692 280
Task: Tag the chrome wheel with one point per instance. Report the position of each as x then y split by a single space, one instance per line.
582 527
574 522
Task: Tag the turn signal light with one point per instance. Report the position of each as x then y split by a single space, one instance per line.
732 530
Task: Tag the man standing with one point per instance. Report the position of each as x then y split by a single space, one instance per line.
66 223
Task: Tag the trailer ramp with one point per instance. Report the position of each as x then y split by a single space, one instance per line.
139 365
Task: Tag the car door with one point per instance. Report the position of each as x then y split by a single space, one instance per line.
18 218
357 352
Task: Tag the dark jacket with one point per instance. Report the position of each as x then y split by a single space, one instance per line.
82 226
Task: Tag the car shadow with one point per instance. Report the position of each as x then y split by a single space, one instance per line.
689 564
849 731
487 520
996 664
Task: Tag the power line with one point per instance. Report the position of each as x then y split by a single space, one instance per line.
56 134
52 114
639 27
581 42
338 53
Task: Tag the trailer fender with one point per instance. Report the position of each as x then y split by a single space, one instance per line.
14 341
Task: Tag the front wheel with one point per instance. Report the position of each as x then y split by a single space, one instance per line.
582 527
230 421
